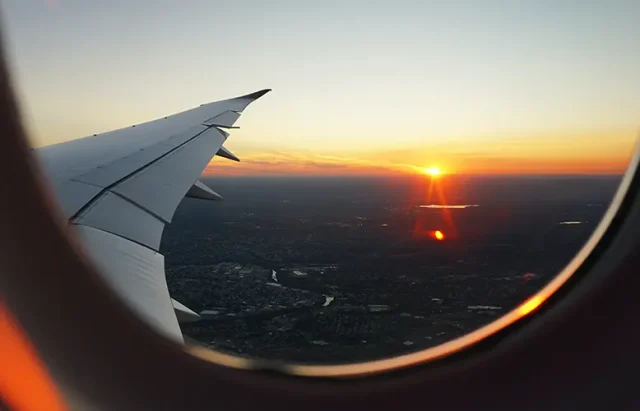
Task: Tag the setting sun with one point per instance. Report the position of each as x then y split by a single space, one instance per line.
432 171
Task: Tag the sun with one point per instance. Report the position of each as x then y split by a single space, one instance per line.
432 171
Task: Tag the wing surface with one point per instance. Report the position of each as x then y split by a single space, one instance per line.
120 188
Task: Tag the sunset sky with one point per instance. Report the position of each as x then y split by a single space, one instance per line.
366 87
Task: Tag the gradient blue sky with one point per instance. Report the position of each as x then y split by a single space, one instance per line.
358 82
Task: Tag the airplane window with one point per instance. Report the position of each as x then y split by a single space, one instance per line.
418 171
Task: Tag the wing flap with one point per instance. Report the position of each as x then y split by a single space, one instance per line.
136 273
160 187
114 214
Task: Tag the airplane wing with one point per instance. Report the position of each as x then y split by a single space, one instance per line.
120 188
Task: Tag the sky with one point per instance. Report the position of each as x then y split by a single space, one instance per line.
359 87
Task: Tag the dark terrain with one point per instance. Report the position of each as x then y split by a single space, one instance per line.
330 270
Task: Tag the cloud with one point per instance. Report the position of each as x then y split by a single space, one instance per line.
296 163
325 165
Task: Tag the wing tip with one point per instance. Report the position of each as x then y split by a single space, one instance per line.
256 95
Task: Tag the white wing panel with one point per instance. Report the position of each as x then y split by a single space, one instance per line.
160 187
121 168
136 274
118 216
76 157
73 195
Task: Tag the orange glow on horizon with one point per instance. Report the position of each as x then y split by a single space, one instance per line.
487 160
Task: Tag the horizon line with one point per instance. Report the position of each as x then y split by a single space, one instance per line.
407 175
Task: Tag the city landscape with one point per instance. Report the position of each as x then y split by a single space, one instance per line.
342 269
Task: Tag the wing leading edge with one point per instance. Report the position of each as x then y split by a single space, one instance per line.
119 189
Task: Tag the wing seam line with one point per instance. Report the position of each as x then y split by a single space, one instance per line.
143 208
